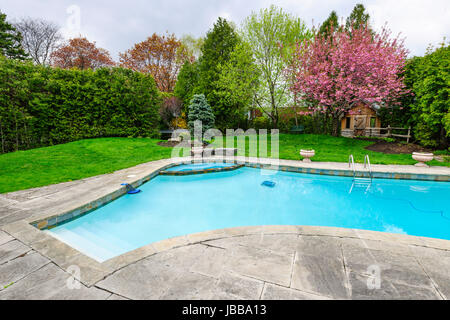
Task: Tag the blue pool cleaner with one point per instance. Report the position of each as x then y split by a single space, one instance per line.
130 189
269 184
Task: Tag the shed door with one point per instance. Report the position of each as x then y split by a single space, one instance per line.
360 125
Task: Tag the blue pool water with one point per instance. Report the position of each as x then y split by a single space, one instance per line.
200 166
171 206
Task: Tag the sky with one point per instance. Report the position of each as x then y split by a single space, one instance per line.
118 25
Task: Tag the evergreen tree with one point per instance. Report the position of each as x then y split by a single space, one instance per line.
357 18
238 83
329 25
216 50
10 39
199 109
186 82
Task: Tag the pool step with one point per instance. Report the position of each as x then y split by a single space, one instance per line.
97 246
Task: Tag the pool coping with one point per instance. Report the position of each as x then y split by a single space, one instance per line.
191 172
29 230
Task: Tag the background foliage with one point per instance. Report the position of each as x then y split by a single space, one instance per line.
42 106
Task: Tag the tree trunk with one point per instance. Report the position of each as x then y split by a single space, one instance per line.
443 139
335 124
295 109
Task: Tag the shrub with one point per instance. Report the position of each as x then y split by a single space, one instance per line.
261 123
170 109
42 106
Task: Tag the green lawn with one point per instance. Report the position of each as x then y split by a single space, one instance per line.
75 160
336 149
85 158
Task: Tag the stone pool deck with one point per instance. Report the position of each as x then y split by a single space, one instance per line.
267 262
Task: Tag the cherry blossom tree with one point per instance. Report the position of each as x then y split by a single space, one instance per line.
353 68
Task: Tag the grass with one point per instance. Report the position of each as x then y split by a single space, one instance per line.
86 158
75 160
334 149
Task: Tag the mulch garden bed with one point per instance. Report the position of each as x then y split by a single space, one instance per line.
396 147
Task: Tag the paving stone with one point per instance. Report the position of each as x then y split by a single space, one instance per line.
178 258
224 243
4 237
6 210
320 274
12 250
19 268
326 231
390 246
151 277
406 292
281 243
139 281
261 264
91 271
14 216
390 265
360 290
211 263
319 245
233 286
274 292
388 290
50 282
438 268
56 250
189 286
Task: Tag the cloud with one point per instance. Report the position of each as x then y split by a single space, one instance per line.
421 22
118 25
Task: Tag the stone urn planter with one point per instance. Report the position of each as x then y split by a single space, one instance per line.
197 152
422 157
307 155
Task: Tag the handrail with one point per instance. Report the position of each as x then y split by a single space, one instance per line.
351 163
367 161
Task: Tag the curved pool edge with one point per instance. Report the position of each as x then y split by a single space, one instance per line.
93 271
201 171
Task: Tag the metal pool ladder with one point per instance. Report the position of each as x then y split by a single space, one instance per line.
361 180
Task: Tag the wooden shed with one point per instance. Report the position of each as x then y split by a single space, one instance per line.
361 120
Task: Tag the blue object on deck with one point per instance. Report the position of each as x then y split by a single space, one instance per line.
269 184
130 189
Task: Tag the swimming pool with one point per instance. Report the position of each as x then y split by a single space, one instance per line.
172 206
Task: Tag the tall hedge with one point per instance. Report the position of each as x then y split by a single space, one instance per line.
41 106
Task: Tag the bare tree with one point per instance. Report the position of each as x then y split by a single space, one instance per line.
39 38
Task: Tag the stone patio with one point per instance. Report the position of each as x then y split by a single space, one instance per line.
266 262
308 264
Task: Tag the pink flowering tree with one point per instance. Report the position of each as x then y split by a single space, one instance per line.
360 66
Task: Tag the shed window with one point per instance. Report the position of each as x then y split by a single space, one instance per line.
347 123
373 122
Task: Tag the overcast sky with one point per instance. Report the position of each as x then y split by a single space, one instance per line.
118 25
